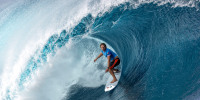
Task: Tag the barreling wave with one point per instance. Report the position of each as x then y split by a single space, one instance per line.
157 42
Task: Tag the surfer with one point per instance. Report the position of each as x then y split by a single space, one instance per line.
113 60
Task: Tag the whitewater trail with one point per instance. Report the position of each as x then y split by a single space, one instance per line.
48 48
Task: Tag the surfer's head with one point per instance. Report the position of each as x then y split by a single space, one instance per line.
103 46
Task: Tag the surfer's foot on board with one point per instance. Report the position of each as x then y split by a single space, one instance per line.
114 80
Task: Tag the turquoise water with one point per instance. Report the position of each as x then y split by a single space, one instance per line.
158 47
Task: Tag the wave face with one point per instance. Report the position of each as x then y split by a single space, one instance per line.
48 49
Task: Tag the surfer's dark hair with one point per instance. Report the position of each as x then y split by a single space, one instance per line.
103 44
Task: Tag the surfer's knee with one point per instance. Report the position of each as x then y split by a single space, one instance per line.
110 70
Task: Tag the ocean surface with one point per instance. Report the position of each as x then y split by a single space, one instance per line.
48 48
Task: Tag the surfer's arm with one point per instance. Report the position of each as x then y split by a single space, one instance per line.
98 56
108 63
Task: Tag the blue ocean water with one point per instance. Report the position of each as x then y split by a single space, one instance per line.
159 48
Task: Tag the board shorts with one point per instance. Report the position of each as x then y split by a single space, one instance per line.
114 63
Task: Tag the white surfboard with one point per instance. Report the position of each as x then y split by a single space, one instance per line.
109 86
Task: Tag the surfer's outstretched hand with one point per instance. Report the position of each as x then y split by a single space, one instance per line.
106 70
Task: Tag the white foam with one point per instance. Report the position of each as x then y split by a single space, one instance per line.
25 27
69 66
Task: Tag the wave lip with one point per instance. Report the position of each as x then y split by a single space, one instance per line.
150 34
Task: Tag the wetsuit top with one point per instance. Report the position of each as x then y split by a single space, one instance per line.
110 53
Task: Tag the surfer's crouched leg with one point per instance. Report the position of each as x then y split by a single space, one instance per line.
113 64
110 69
113 75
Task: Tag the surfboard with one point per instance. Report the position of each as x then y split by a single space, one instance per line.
109 86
